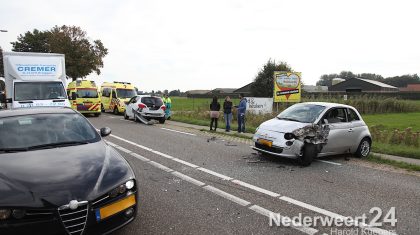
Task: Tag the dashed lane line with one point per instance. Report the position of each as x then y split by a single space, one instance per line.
181 132
214 190
252 187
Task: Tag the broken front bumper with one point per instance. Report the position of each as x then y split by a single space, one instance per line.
279 146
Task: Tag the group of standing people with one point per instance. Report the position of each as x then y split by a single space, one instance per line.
227 113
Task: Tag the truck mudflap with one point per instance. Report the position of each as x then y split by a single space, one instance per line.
142 119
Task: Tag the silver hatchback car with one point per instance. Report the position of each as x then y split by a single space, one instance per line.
145 107
314 129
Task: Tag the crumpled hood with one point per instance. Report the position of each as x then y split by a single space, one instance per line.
282 126
52 177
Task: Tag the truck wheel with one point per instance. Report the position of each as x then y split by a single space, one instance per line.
97 114
116 111
102 108
364 148
162 120
125 116
308 154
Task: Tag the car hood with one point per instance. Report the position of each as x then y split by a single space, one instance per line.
282 126
52 177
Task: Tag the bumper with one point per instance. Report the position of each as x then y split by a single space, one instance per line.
278 146
53 225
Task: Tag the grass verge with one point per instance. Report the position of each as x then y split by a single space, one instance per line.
398 164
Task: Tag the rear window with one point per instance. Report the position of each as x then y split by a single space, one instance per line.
152 101
87 93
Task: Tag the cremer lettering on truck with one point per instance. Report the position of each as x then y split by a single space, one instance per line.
36 69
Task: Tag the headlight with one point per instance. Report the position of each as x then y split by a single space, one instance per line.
18 214
129 184
289 136
122 188
4 213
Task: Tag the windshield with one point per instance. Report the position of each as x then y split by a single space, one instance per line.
306 113
39 91
152 101
87 93
45 129
126 93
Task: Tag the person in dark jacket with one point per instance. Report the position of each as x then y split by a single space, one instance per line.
214 113
241 108
227 112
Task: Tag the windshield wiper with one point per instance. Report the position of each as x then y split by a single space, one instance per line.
289 119
56 145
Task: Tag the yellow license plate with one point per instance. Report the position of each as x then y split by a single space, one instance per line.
268 143
115 207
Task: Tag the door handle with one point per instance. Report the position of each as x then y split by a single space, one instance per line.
350 130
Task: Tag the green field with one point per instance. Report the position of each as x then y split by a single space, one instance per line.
190 104
392 121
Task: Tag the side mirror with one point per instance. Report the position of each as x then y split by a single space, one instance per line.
73 96
105 131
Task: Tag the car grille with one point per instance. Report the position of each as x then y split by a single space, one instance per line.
74 221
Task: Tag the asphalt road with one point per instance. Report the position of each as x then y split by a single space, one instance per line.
191 183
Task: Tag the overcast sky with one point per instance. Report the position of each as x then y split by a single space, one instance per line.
193 44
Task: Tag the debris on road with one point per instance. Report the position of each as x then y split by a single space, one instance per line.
213 138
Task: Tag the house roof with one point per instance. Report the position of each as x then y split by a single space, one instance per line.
381 84
197 92
224 90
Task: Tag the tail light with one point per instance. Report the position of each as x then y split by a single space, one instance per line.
142 106
163 107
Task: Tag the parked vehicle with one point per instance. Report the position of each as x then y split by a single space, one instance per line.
2 94
84 97
34 79
59 177
314 129
114 95
145 106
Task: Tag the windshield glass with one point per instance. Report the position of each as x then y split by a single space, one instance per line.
44 129
87 93
306 113
152 101
126 93
39 91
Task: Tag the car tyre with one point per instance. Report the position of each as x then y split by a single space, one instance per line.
126 117
97 114
364 148
162 120
308 154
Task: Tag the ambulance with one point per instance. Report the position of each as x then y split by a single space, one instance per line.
84 97
114 95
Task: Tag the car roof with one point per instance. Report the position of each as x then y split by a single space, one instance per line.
36 110
141 96
329 105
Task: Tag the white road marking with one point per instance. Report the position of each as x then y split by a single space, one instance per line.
187 178
334 215
226 195
334 163
140 157
224 177
265 212
160 166
184 162
185 133
255 188
216 191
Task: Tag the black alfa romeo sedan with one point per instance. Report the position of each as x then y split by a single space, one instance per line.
57 175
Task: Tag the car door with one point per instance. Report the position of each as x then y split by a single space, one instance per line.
130 106
340 134
357 129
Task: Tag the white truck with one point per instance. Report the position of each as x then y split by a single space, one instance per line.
34 79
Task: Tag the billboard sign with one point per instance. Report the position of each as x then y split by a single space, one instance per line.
259 105
287 86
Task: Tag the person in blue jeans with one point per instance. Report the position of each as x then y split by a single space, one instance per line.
241 108
227 112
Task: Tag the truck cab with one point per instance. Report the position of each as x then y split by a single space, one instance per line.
84 97
34 79
114 95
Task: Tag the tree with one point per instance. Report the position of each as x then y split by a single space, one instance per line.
175 93
264 81
402 81
82 56
1 63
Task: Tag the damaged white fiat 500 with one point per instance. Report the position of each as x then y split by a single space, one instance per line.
314 129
